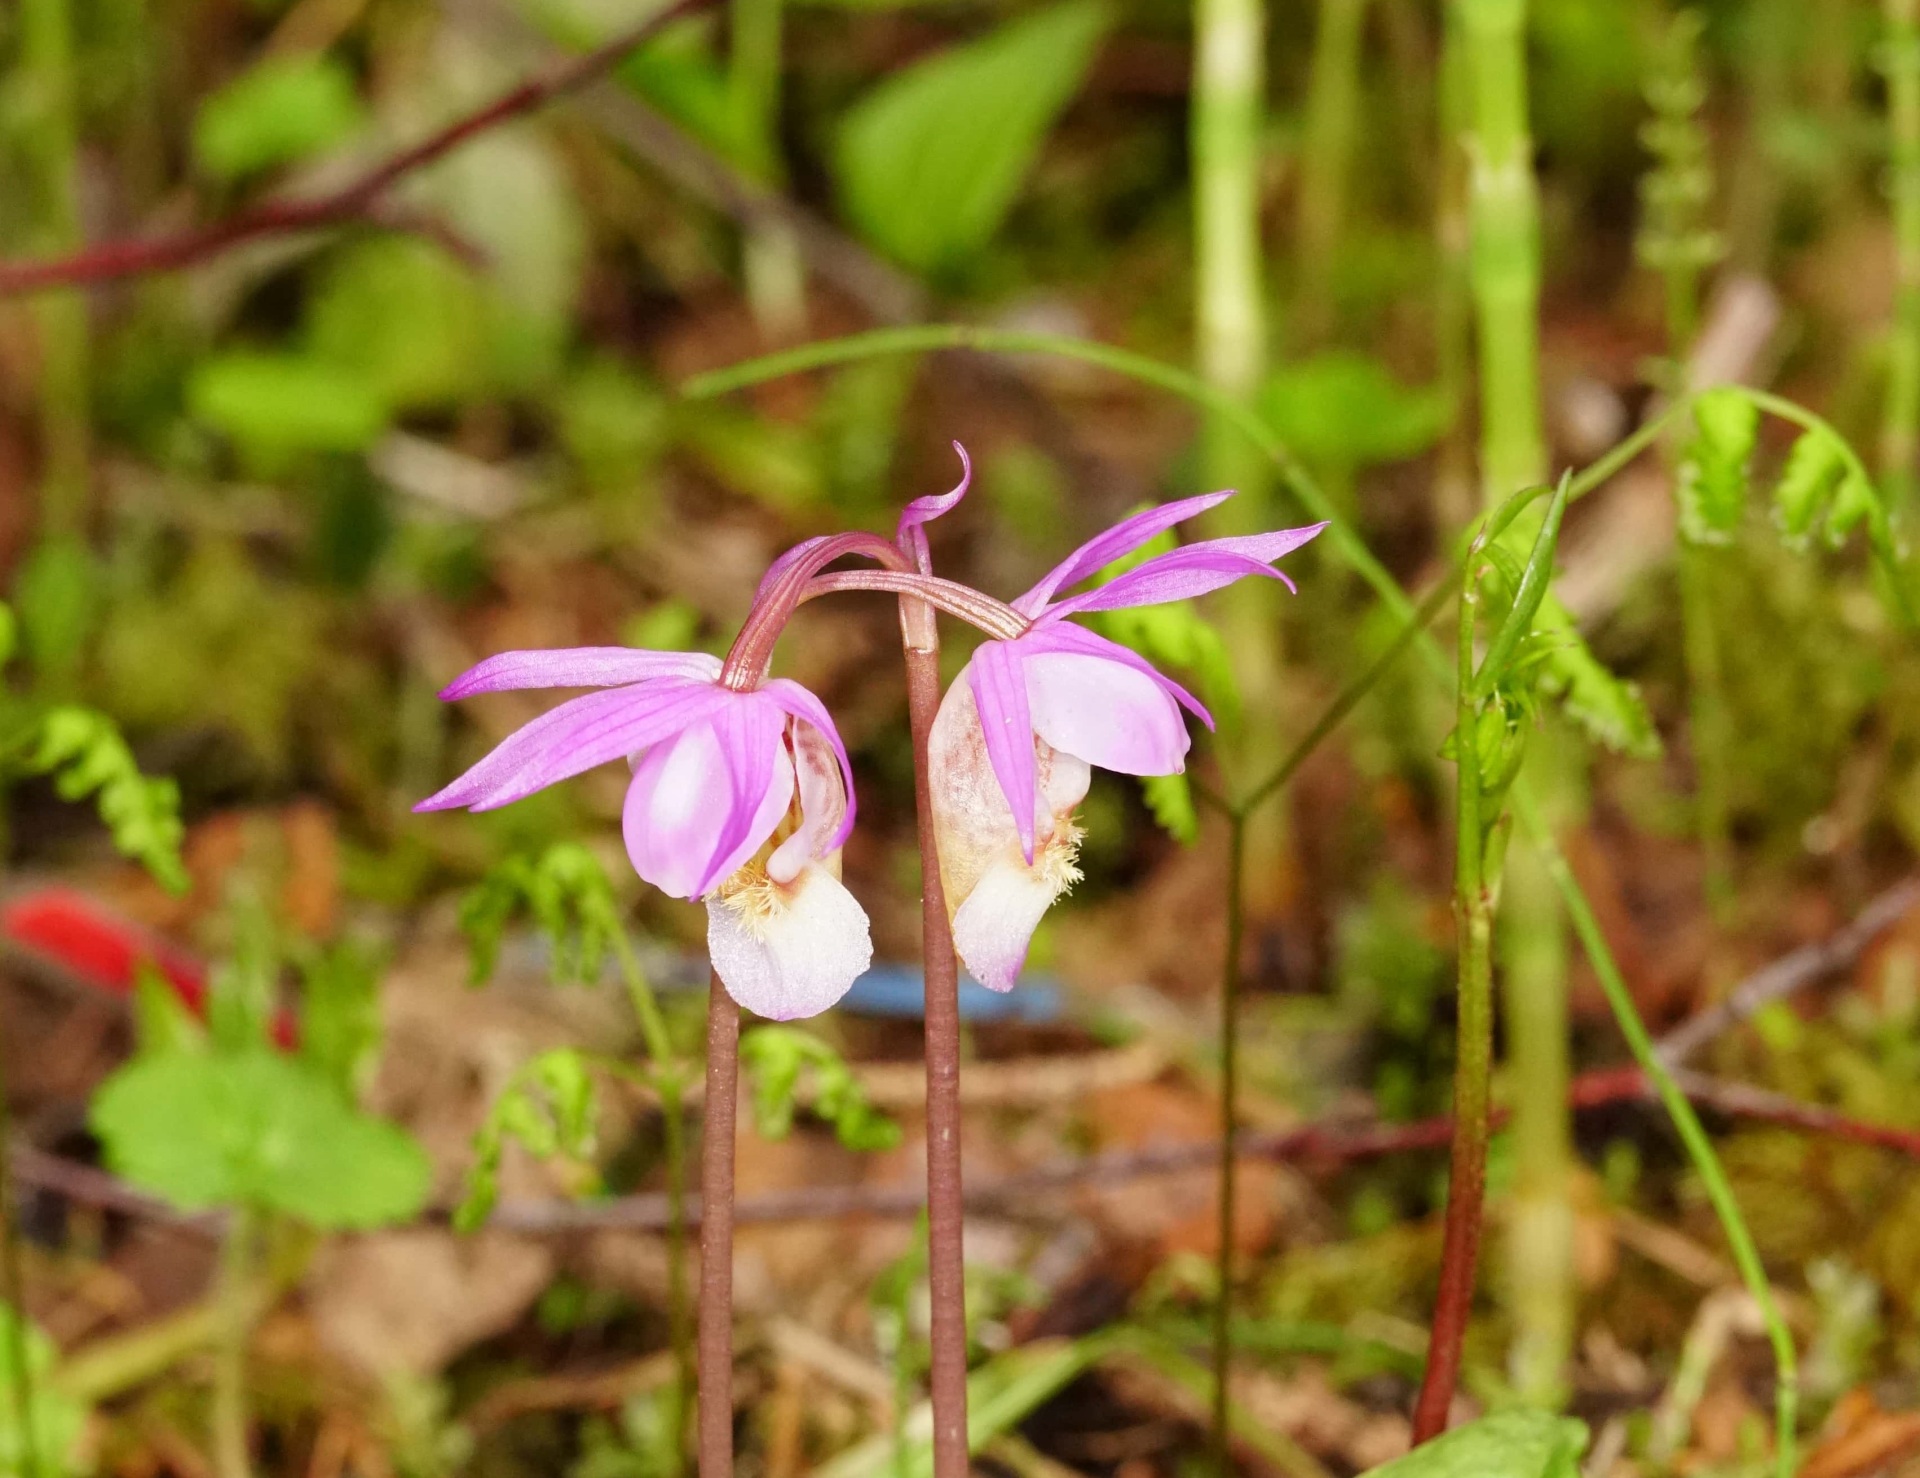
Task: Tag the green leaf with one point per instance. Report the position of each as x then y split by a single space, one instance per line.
549 1108
57 594
1345 409
1814 469
56 1419
404 322
1170 800
1529 591
285 109
930 162
774 1059
1608 709
257 1129
273 406
340 1030
1513 1444
570 899
1712 486
86 756
9 634
162 1023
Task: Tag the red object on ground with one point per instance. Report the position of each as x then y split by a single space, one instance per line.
102 949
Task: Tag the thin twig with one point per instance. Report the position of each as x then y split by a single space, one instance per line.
356 201
1791 973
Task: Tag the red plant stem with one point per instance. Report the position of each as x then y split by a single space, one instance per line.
354 201
946 1269
1473 1057
716 1234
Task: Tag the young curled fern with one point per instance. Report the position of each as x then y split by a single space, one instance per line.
86 756
1715 472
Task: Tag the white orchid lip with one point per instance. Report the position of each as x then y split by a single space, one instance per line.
788 949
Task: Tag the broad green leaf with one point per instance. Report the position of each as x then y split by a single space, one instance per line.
679 74
404 322
275 405
340 1029
57 595
257 1129
56 1419
1713 480
285 109
86 756
162 1023
930 162
9 634
1513 1444
509 194
1344 409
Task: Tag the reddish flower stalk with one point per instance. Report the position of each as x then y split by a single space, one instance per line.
716 1234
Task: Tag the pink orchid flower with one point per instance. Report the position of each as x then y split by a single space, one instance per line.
1020 730
741 795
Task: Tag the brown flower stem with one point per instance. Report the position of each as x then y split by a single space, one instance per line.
716 1234
946 1271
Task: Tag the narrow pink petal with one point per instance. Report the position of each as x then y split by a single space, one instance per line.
1103 549
683 821
1107 713
1064 636
803 705
576 736
577 667
1178 575
1000 692
912 535
752 733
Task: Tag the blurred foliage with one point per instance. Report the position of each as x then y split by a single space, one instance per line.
220 1116
925 171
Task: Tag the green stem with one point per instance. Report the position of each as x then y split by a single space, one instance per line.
669 1077
1541 1286
1332 116
775 276
1229 1117
1706 1164
680 1335
47 72
234 1295
1505 210
1712 733
20 1372
1900 432
1229 82
1453 295
1473 1057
